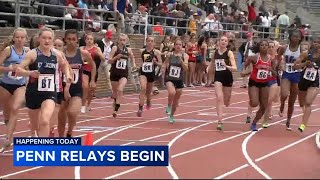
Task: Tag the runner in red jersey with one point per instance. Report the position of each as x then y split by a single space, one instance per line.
262 67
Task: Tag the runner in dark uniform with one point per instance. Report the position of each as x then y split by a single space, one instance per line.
222 64
309 80
41 94
173 69
73 91
151 58
119 60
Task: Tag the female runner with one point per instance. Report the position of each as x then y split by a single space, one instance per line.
41 95
262 66
150 59
309 82
273 84
173 70
97 56
73 91
119 60
12 87
222 64
290 77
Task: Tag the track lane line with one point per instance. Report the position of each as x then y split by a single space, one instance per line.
246 165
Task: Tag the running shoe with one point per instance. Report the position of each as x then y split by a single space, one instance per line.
265 125
168 110
220 126
171 120
139 113
288 126
248 120
254 127
302 127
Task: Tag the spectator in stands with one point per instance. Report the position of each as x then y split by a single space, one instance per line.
265 24
297 21
283 23
263 7
234 6
252 12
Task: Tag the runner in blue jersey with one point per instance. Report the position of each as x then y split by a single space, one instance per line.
12 87
290 76
41 94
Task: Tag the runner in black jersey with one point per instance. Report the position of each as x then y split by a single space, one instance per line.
173 69
309 80
221 66
119 60
73 92
41 94
150 59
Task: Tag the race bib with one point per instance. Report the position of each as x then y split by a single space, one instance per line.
147 67
121 64
310 74
220 65
262 74
75 76
289 68
175 71
46 82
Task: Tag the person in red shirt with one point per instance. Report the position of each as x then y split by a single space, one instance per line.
262 67
252 15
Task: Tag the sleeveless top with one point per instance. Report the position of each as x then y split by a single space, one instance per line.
95 58
289 58
175 70
221 61
10 77
261 75
312 74
192 57
147 61
165 48
77 67
121 65
47 66
209 53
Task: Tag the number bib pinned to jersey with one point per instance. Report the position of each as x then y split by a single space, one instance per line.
121 64
310 74
220 65
147 67
262 74
75 76
175 71
46 82
289 68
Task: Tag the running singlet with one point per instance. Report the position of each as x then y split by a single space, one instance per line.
259 74
221 61
10 77
121 65
148 66
76 65
175 70
290 58
95 58
312 73
47 66
192 57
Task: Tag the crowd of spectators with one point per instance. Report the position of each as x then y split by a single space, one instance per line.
126 17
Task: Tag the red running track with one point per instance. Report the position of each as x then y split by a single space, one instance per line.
197 149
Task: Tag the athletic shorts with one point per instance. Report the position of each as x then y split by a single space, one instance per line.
88 73
292 77
253 83
225 77
11 88
178 84
35 99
